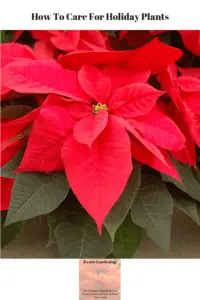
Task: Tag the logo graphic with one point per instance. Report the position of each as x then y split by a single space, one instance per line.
99 279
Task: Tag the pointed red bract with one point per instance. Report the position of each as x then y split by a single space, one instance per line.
157 56
11 52
188 84
79 110
76 60
16 51
191 109
98 175
121 76
6 188
44 50
192 101
143 155
11 129
9 149
148 145
41 34
42 77
67 41
94 39
72 40
166 78
154 56
134 100
184 92
94 83
191 40
43 152
187 154
88 129
190 72
14 135
160 130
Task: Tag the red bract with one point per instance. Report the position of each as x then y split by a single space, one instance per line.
69 40
14 52
137 38
184 92
11 52
13 137
44 49
191 72
42 77
17 34
157 56
5 188
92 133
191 40
80 40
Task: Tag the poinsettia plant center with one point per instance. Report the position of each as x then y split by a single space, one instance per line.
98 107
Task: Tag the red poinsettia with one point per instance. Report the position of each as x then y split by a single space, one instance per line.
185 92
67 40
137 38
111 113
157 56
14 136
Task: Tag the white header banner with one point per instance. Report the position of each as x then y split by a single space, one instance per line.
102 15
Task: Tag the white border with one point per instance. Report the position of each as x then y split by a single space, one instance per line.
160 279
141 279
35 279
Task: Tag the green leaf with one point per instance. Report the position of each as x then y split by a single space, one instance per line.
83 241
76 234
190 184
70 209
52 223
2 36
10 232
6 36
8 169
118 213
35 194
127 239
197 172
152 210
111 255
185 203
